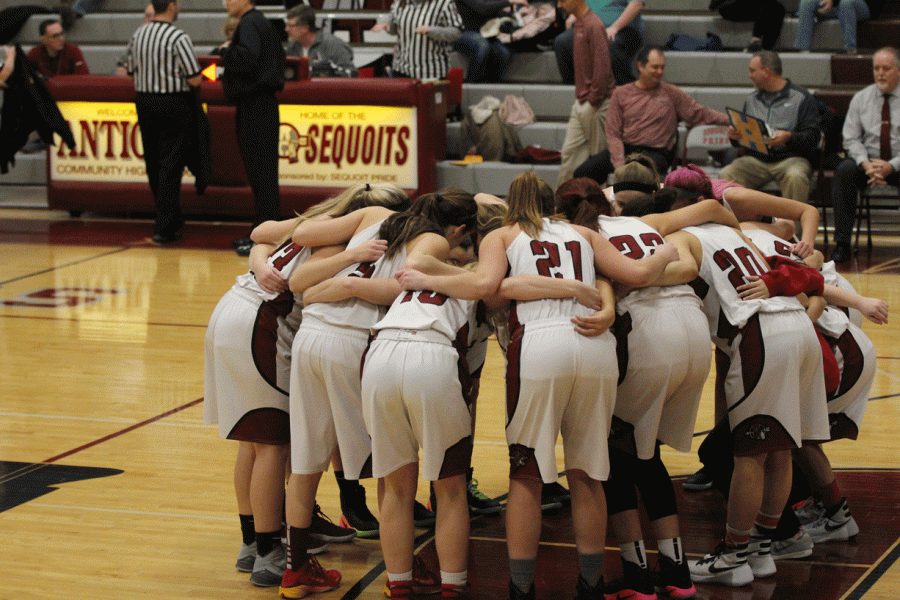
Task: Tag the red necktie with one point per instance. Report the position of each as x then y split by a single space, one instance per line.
886 129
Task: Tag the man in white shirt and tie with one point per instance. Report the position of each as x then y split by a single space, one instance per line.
872 141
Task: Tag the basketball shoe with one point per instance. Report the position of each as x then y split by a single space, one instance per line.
309 578
798 545
269 569
836 524
760 557
322 528
354 511
726 565
245 558
672 579
635 583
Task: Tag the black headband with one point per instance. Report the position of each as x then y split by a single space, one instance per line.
637 186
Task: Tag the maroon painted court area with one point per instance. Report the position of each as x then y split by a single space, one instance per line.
88 231
833 570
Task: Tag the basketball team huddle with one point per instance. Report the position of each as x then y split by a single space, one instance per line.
358 335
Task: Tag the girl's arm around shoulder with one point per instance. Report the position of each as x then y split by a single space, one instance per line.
268 277
525 287
329 232
424 250
374 291
687 267
330 260
469 285
704 211
874 309
273 232
616 266
600 321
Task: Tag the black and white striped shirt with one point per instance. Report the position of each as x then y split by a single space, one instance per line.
423 56
161 58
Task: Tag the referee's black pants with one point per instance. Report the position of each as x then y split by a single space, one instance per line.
257 122
168 129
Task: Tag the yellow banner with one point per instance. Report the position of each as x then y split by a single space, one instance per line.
326 146
107 144
345 145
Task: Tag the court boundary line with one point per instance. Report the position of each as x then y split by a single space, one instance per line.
107 321
128 429
76 262
31 468
874 574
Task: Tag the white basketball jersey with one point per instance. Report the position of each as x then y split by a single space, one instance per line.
428 310
354 312
285 258
635 239
559 252
727 260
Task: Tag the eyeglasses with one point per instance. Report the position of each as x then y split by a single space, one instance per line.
55 36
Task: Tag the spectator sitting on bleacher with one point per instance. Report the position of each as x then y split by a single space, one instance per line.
873 146
328 55
792 115
847 12
487 58
625 30
767 17
643 117
54 56
121 71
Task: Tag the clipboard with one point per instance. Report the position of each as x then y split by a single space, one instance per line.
753 131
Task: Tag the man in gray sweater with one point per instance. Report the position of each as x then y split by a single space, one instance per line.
328 55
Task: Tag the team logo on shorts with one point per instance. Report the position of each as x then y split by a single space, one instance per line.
757 432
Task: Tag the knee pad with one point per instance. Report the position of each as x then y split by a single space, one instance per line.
620 487
656 488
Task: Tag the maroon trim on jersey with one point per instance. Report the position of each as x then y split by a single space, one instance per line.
362 359
461 344
621 327
457 458
366 471
265 337
760 434
513 377
853 362
726 331
700 287
263 426
753 357
753 354
522 464
842 427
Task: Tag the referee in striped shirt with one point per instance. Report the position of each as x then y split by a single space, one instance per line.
160 59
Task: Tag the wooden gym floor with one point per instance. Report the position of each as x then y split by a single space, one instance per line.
112 487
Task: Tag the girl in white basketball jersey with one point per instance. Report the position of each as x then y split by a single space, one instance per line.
248 359
326 407
663 350
774 390
557 380
416 393
831 520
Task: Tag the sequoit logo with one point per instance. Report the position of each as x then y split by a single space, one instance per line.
346 145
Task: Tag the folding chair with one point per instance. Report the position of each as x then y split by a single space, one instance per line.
708 137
